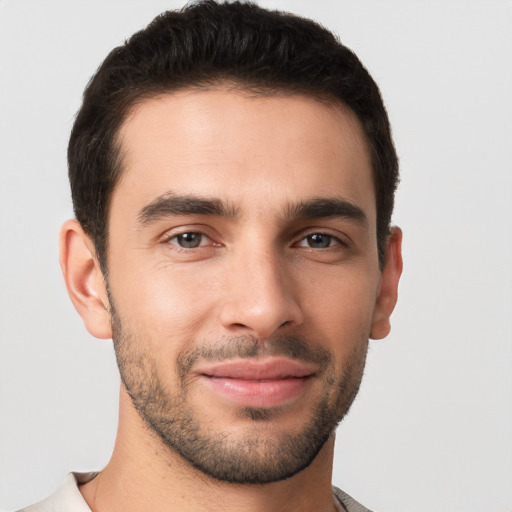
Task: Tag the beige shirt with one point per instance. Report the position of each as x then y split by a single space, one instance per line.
68 498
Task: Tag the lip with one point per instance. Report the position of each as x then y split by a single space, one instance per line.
258 383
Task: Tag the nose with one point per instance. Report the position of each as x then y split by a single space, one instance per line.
261 296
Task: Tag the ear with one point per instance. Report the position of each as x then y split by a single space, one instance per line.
84 279
388 287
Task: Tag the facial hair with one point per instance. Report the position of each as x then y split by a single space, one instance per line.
260 455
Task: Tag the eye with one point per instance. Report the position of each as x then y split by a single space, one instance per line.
190 240
319 241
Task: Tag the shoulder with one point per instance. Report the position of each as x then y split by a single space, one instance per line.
66 498
350 504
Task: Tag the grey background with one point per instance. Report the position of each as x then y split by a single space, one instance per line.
432 426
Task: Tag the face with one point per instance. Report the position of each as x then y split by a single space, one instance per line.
243 276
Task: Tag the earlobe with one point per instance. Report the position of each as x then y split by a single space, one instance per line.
388 289
84 279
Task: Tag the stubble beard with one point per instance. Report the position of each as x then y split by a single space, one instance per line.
262 454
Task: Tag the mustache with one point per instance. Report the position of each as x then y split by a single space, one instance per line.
246 347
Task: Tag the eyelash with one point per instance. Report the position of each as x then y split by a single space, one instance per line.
202 235
331 239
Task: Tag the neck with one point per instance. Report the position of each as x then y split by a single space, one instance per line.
145 474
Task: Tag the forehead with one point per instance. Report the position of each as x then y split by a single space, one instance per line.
246 150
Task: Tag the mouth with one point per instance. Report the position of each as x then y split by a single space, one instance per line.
258 383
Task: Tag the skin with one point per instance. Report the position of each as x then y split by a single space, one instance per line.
255 275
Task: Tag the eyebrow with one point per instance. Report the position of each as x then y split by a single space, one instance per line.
171 204
327 207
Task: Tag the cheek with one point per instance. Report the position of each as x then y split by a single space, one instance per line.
164 305
341 310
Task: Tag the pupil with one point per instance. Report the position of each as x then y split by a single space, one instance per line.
319 240
189 240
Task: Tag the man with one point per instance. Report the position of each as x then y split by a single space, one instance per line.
233 176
